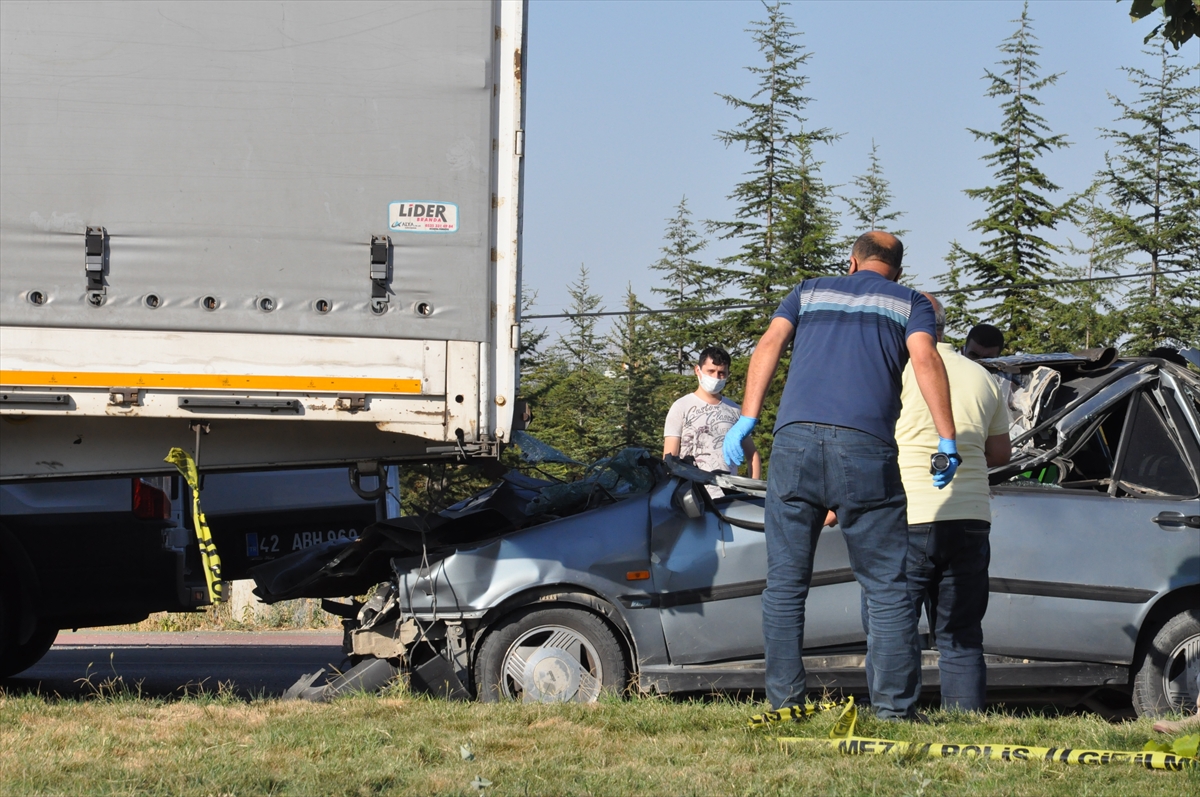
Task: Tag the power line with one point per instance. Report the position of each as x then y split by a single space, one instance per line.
762 305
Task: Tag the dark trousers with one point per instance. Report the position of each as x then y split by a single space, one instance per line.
815 467
948 575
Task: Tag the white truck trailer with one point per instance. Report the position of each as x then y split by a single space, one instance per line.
285 234
295 223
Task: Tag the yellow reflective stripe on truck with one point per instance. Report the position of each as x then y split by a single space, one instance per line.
302 384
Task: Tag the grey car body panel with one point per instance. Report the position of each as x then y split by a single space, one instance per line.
728 562
1036 536
593 557
242 150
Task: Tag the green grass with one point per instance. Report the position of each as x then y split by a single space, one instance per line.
214 744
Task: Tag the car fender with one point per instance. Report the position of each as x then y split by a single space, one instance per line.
559 593
1158 611
591 553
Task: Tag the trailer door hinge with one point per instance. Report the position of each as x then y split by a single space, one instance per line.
520 143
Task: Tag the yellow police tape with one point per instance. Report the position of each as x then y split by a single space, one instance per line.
842 739
209 560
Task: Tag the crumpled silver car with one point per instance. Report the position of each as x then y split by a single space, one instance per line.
635 576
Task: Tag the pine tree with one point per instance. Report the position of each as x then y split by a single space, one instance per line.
1153 184
570 393
529 347
774 134
959 315
581 344
639 402
869 210
1088 316
1019 213
808 228
687 285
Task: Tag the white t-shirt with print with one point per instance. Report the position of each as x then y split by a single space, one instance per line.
701 428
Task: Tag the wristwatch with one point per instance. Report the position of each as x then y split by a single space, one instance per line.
940 463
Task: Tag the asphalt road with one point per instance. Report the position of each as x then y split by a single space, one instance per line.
167 664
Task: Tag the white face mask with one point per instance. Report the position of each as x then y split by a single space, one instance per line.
710 384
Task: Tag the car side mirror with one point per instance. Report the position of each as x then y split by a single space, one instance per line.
687 497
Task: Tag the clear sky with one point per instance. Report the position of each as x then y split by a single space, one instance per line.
622 112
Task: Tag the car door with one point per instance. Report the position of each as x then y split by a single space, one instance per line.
1075 567
709 576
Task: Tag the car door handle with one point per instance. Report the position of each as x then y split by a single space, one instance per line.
1177 519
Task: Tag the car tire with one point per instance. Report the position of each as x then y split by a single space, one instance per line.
550 655
18 658
4 644
1163 683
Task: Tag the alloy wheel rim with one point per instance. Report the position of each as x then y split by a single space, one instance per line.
550 664
1181 673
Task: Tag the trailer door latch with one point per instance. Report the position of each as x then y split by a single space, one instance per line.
95 262
124 396
351 402
381 262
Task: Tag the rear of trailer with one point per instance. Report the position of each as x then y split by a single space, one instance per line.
290 231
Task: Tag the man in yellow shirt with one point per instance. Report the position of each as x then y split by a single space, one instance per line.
948 551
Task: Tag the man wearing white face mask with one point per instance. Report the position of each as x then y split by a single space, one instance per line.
697 423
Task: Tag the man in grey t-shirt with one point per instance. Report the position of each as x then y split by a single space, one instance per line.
697 423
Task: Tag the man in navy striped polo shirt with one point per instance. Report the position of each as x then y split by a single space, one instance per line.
835 450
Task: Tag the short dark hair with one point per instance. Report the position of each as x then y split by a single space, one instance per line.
986 336
714 354
869 247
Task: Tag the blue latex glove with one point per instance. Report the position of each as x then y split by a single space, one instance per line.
950 448
732 450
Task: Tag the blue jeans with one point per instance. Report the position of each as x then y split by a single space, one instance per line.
948 574
815 467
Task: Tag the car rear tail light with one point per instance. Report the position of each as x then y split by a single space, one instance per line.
149 502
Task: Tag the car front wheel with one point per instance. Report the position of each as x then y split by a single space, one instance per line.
558 655
1168 679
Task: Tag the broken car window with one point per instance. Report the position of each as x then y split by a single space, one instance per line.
1090 464
1151 463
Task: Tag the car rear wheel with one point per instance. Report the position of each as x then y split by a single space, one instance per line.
18 658
550 656
1168 679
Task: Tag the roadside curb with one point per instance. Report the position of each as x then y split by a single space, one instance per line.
92 639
